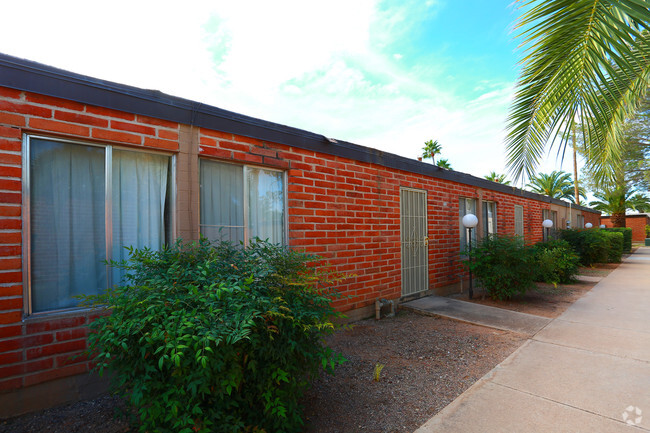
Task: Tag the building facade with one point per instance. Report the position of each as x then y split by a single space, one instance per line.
636 222
88 166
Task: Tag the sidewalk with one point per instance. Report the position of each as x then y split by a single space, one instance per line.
586 371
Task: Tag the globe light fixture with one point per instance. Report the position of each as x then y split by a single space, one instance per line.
469 222
547 224
588 225
602 226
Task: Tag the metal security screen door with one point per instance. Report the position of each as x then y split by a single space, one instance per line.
414 240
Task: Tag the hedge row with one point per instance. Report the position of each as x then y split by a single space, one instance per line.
595 245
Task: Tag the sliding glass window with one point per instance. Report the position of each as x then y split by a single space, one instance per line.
86 203
239 203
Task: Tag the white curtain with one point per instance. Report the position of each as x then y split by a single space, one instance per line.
489 218
265 205
139 197
222 201
67 223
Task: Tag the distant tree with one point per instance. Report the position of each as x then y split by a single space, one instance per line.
633 172
558 184
496 177
444 163
431 149
617 202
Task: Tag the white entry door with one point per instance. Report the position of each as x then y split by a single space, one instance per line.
414 240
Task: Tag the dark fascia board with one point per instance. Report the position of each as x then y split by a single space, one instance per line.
26 75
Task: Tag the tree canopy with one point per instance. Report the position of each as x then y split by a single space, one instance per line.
558 184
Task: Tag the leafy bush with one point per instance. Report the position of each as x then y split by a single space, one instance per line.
647 230
555 262
218 339
591 245
595 245
615 250
503 265
627 237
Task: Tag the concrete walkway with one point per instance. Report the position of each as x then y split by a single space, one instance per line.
478 314
586 371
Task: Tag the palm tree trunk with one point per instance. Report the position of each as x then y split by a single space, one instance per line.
618 219
575 169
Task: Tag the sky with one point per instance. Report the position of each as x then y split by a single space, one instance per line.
383 74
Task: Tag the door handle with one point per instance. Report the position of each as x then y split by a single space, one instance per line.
426 241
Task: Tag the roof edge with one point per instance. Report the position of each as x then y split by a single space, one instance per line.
27 75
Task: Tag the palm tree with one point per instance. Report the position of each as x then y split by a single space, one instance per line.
617 202
444 163
496 177
586 62
558 184
431 149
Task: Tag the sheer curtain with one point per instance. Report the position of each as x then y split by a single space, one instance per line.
222 196
265 205
67 223
139 196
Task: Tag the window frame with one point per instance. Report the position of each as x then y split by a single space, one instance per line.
523 229
486 227
108 217
245 208
462 228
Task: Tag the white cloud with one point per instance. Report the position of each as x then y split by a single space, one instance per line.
324 67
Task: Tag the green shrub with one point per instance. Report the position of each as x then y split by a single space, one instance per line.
615 250
220 339
647 230
591 245
627 237
555 262
595 245
503 265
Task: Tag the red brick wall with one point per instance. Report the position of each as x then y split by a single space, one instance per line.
636 222
344 210
42 348
348 212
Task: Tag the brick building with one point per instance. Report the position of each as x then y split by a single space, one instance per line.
87 166
636 222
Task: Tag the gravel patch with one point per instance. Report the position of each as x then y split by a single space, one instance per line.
428 362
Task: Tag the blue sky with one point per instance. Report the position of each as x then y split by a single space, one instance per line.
384 74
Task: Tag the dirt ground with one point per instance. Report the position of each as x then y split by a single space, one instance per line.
546 300
427 361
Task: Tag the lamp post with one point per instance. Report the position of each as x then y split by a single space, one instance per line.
547 224
588 225
469 222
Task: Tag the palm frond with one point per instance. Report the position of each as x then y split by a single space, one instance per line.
583 59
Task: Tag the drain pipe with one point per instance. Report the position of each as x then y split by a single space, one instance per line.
379 303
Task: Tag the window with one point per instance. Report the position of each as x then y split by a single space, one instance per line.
489 218
466 206
580 220
239 203
519 220
86 203
545 231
